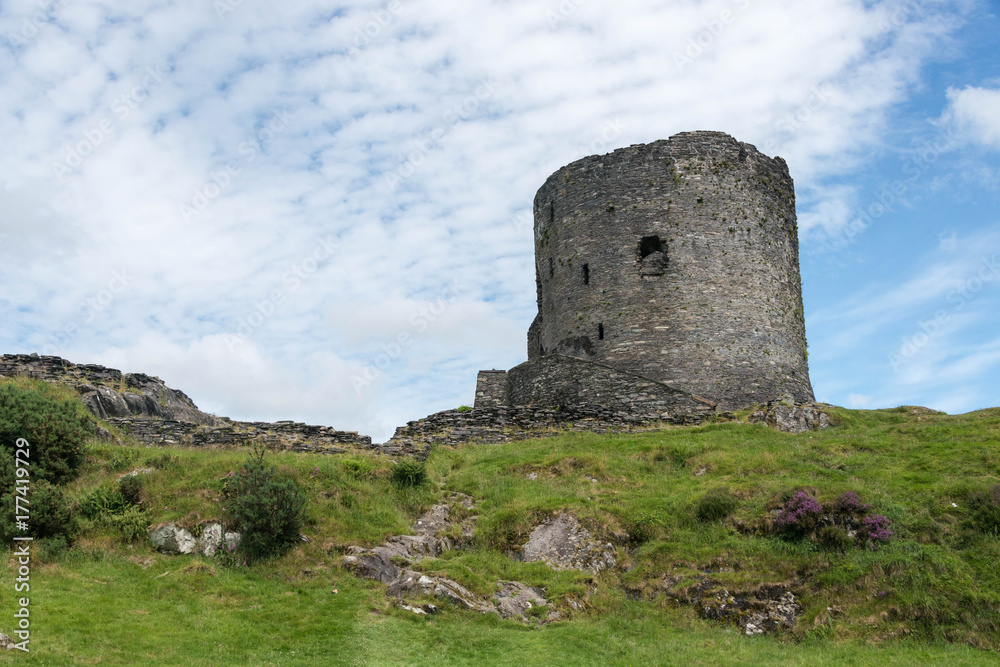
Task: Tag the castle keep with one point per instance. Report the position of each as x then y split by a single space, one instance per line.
667 281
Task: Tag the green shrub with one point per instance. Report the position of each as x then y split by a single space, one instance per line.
835 538
132 524
55 430
50 514
409 473
715 505
104 502
984 508
464 408
131 489
266 508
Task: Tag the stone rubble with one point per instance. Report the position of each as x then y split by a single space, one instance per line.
792 418
388 564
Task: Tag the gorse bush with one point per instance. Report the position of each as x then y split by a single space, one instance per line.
716 504
266 508
409 473
50 514
55 430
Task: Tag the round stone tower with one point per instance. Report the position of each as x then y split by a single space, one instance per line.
677 260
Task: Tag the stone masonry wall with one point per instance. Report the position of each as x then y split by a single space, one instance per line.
491 389
676 260
286 435
557 380
510 424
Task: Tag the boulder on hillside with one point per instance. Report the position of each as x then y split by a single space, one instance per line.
566 545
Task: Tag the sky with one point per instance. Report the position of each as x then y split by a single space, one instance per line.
322 211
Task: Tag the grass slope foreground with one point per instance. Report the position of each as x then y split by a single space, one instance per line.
885 527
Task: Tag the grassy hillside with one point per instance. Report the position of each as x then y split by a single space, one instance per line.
930 595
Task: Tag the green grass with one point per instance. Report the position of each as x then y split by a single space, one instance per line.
931 596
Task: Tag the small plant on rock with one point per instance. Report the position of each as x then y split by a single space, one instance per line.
800 515
875 530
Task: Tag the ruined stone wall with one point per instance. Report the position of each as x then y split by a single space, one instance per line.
491 389
557 380
286 435
510 424
676 260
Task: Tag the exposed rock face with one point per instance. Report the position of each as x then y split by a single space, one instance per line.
767 609
792 418
108 392
172 539
388 562
566 545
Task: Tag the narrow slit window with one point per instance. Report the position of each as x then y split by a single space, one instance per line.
586 274
552 211
552 268
600 332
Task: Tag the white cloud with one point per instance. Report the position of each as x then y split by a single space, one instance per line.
974 112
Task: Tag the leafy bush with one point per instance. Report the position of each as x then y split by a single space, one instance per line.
850 503
836 538
50 514
875 529
132 524
464 408
266 508
409 473
985 509
800 515
131 489
104 502
56 431
715 505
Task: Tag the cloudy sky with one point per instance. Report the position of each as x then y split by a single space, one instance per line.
321 211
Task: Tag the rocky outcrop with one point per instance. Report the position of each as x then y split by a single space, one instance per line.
172 539
564 544
792 418
107 392
767 609
389 564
